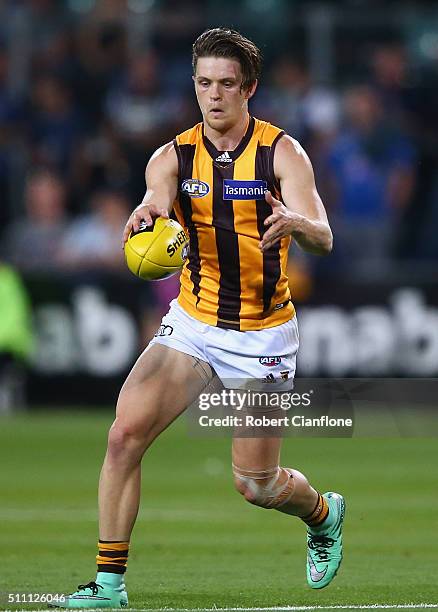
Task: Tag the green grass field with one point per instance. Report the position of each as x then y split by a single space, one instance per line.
196 543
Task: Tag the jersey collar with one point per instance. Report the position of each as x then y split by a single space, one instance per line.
214 153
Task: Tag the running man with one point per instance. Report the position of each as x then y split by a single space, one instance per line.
242 189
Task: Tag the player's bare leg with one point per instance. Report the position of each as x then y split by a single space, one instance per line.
162 383
260 479
160 386
262 482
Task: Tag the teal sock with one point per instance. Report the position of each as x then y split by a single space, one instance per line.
110 579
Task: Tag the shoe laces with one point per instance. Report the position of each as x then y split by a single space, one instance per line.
91 585
320 544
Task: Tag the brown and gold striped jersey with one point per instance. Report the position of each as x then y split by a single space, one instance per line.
227 281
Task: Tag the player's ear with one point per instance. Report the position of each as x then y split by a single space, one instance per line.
251 90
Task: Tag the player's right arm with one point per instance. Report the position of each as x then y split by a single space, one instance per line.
162 185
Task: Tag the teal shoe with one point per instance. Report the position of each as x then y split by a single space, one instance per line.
324 544
93 595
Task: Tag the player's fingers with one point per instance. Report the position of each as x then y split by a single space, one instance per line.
136 220
274 218
265 242
271 219
265 245
143 215
139 217
268 196
128 228
126 232
271 200
271 236
267 236
156 211
278 226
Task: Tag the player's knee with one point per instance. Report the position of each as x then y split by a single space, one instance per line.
124 442
243 489
135 420
265 488
118 439
254 491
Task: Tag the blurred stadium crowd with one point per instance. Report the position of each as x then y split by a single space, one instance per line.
90 88
85 98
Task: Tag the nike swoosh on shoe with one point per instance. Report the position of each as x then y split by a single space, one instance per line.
315 575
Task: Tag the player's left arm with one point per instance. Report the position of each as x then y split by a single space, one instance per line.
302 214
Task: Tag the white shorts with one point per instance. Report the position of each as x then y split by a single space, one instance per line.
265 356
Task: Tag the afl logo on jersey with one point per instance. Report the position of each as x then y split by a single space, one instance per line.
269 361
195 188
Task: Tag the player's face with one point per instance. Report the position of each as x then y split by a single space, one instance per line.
218 86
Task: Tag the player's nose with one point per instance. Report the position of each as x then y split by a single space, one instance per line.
214 92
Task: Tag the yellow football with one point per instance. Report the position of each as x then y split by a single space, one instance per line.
157 251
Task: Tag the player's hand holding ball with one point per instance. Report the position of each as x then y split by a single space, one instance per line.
154 248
